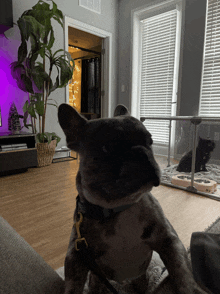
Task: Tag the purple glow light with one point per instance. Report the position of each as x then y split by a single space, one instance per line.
9 91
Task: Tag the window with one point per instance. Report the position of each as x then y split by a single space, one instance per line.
158 28
157 72
210 85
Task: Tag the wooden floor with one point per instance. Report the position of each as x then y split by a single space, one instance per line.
39 205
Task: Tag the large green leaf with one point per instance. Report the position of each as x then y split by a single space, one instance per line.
54 7
41 6
43 17
35 27
40 107
16 70
31 110
39 76
66 71
37 97
42 51
25 119
55 85
24 27
28 83
22 52
21 85
25 107
57 14
35 47
52 39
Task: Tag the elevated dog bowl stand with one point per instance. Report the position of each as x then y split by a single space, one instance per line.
61 159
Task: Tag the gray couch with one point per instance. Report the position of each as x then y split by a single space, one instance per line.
22 269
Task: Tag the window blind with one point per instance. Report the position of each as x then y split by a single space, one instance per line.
157 72
210 86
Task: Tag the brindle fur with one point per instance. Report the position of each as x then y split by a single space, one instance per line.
117 167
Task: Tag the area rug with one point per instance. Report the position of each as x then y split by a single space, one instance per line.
156 273
214 228
213 173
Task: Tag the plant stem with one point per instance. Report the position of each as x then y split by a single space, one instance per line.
39 123
32 125
47 91
44 90
35 129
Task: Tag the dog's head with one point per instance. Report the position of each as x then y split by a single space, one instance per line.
116 160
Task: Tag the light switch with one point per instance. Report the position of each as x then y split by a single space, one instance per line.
122 88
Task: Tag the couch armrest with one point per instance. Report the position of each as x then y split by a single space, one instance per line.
22 269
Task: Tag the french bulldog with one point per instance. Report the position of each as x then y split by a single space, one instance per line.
121 222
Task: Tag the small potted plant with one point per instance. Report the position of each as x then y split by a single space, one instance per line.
33 71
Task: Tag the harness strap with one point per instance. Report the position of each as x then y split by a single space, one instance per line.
82 248
88 259
97 212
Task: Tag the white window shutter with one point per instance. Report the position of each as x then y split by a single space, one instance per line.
210 86
157 72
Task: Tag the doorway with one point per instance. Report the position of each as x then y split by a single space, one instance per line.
85 86
90 88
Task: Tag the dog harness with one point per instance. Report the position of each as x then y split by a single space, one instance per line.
97 212
86 253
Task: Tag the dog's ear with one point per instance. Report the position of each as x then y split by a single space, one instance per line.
121 110
72 124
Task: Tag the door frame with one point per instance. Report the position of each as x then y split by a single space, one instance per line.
106 69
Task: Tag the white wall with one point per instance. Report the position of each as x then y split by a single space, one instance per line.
107 20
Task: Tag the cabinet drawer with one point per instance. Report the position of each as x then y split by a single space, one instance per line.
19 159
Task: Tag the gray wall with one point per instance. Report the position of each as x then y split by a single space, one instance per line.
107 21
194 18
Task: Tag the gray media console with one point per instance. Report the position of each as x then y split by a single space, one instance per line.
17 153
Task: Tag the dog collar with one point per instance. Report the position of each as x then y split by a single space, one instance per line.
97 212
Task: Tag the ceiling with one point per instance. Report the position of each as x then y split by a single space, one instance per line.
83 39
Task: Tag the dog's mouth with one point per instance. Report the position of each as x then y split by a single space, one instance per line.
109 192
113 201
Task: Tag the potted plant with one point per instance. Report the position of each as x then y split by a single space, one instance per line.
34 69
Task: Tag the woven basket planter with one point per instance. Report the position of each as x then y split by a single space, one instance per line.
45 153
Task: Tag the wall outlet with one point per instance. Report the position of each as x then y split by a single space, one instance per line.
216 136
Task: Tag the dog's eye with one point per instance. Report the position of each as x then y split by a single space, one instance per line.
104 149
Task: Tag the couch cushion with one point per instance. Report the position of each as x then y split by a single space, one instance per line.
22 269
205 255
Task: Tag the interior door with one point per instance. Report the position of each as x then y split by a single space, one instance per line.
104 77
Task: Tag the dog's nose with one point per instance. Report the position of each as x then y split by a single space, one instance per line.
156 177
156 183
